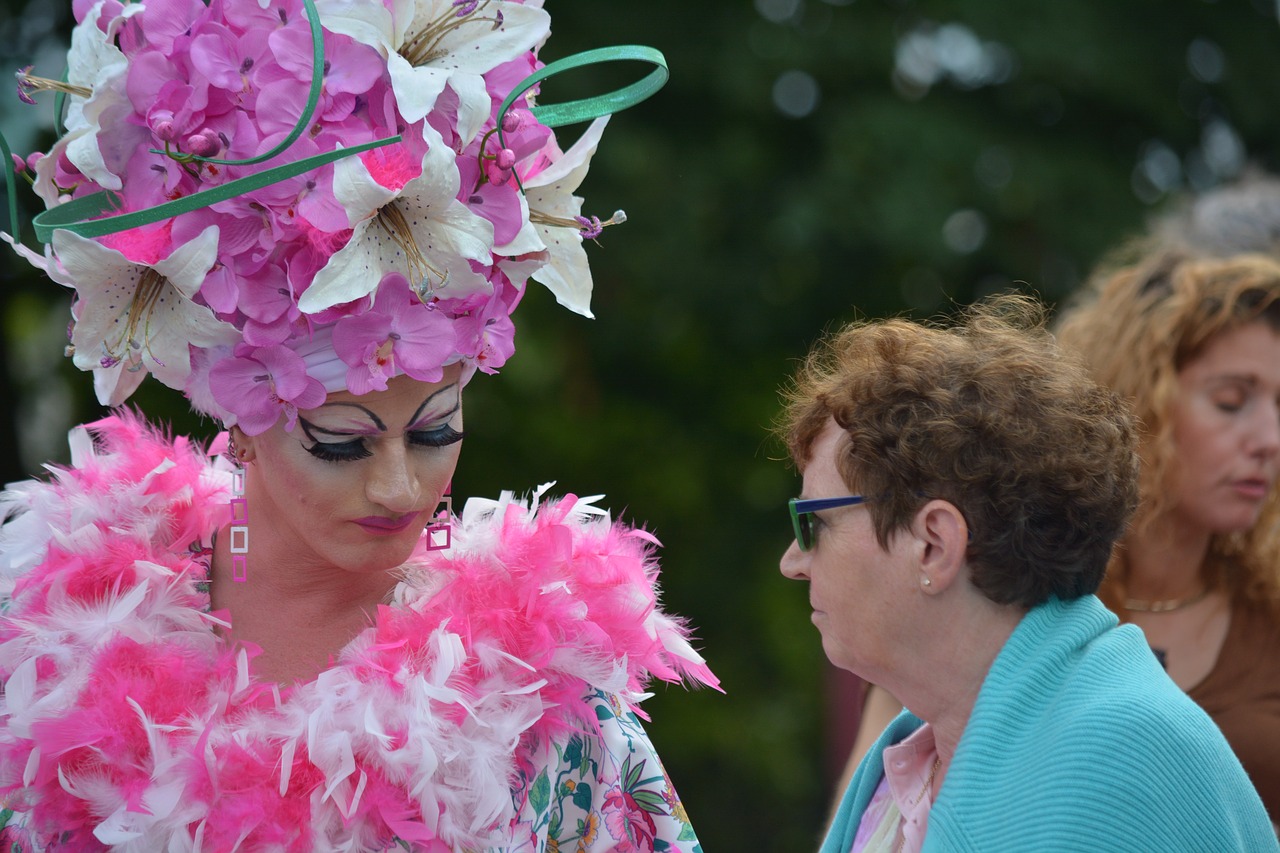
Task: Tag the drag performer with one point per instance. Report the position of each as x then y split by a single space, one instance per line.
315 221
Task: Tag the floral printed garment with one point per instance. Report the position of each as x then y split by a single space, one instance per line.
588 794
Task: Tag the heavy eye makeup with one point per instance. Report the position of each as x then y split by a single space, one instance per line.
441 436
356 448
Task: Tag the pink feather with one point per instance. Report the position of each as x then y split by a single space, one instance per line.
124 689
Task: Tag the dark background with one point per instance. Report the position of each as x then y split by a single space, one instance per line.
810 161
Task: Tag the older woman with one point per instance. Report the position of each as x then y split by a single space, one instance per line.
291 648
1194 344
962 491
1192 311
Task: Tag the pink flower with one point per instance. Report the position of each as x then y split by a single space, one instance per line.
226 59
258 384
487 335
350 68
629 825
268 303
398 335
110 9
526 139
439 218
250 15
166 22
308 196
143 245
179 105
497 202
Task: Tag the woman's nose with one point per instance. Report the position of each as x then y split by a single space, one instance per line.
792 564
1266 433
393 481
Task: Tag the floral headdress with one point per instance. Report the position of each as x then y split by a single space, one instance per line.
261 201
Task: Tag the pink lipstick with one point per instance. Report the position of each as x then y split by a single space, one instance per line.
380 526
1252 489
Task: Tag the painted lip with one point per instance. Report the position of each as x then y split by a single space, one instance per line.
1254 489
380 525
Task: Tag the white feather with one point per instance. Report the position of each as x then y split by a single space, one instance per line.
116 829
446 720
286 764
119 608
83 452
242 672
33 765
20 694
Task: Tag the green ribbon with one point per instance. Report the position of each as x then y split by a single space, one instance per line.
586 109
572 112
81 215
10 189
78 215
84 216
313 98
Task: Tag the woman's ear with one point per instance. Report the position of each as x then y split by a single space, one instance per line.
242 449
943 536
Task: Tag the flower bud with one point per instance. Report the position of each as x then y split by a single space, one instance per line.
513 120
161 122
203 143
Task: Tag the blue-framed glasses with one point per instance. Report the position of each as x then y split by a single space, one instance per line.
801 510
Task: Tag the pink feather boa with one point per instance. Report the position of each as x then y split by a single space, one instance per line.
128 724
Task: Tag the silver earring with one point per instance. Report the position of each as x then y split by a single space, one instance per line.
440 530
239 515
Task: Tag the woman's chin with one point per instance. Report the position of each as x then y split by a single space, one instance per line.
380 555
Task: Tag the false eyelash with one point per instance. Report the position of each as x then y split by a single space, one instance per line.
350 451
441 437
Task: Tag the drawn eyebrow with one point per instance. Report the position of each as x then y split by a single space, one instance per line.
417 415
376 420
311 429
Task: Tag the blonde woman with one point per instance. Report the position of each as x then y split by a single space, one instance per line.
1194 344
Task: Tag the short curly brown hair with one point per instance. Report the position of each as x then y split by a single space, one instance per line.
1137 324
989 415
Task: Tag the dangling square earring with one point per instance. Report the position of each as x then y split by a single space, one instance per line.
440 530
239 518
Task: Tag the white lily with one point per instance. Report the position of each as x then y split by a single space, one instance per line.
131 318
429 44
553 209
422 232
112 385
96 74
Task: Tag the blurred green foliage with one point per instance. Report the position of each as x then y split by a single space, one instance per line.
809 162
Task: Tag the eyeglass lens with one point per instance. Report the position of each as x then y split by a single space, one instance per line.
804 530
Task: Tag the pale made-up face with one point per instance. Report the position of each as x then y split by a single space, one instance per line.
856 588
355 482
1226 427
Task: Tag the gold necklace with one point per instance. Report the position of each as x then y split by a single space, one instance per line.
1138 605
933 771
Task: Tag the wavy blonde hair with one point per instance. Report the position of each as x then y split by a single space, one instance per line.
1137 324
